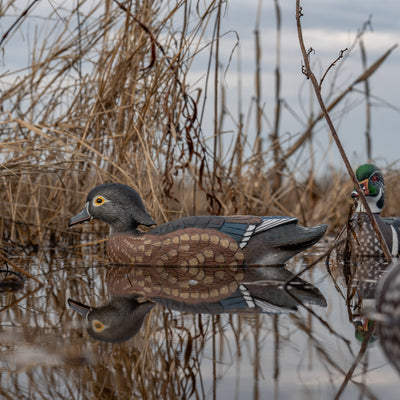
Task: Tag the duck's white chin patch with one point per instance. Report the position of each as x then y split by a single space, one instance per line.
372 202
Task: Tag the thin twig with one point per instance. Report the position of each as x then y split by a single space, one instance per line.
24 13
364 346
309 309
340 56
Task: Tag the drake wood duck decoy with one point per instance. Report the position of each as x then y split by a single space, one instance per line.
205 290
202 240
361 239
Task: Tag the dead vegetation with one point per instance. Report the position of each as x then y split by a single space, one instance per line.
106 96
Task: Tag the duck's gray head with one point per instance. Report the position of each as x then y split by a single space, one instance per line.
118 205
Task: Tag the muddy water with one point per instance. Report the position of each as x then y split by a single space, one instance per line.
187 333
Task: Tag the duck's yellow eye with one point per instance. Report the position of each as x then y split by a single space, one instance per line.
99 200
97 325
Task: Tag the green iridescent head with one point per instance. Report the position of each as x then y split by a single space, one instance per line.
372 174
371 180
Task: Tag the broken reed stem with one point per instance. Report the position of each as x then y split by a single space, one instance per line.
317 89
26 295
278 162
367 102
258 141
19 269
216 78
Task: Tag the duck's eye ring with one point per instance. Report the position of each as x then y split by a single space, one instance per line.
99 200
374 178
97 325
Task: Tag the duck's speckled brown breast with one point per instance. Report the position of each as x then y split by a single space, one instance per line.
188 247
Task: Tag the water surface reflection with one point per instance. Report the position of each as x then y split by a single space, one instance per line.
266 343
205 290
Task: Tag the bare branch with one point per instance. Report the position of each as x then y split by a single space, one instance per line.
317 90
364 75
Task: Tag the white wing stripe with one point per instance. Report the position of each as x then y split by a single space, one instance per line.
264 226
395 242
273 222
247 296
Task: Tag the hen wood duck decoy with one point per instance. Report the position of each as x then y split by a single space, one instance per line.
361 236
192 241
206 290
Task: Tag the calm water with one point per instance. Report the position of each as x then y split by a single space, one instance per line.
267 344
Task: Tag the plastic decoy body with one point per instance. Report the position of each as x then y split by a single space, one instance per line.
192 241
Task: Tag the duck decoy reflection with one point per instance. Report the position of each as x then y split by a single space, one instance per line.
118 321
362 279
134 290
192 241
360 237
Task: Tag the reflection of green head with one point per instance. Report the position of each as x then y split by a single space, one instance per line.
363 329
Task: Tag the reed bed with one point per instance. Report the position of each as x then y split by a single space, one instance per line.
106 96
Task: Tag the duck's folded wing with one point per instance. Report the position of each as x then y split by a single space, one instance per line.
239 227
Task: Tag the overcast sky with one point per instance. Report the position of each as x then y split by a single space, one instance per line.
328 27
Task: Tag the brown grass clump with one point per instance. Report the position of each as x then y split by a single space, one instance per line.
106 97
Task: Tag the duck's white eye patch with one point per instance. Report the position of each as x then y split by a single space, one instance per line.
97 325
99 200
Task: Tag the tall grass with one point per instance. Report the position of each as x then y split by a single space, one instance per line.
106 95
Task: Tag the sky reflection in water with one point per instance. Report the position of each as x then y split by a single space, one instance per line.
261 348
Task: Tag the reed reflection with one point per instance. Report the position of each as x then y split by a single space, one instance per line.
206 290
10 281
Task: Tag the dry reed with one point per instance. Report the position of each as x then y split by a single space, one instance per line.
110 99
106 96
